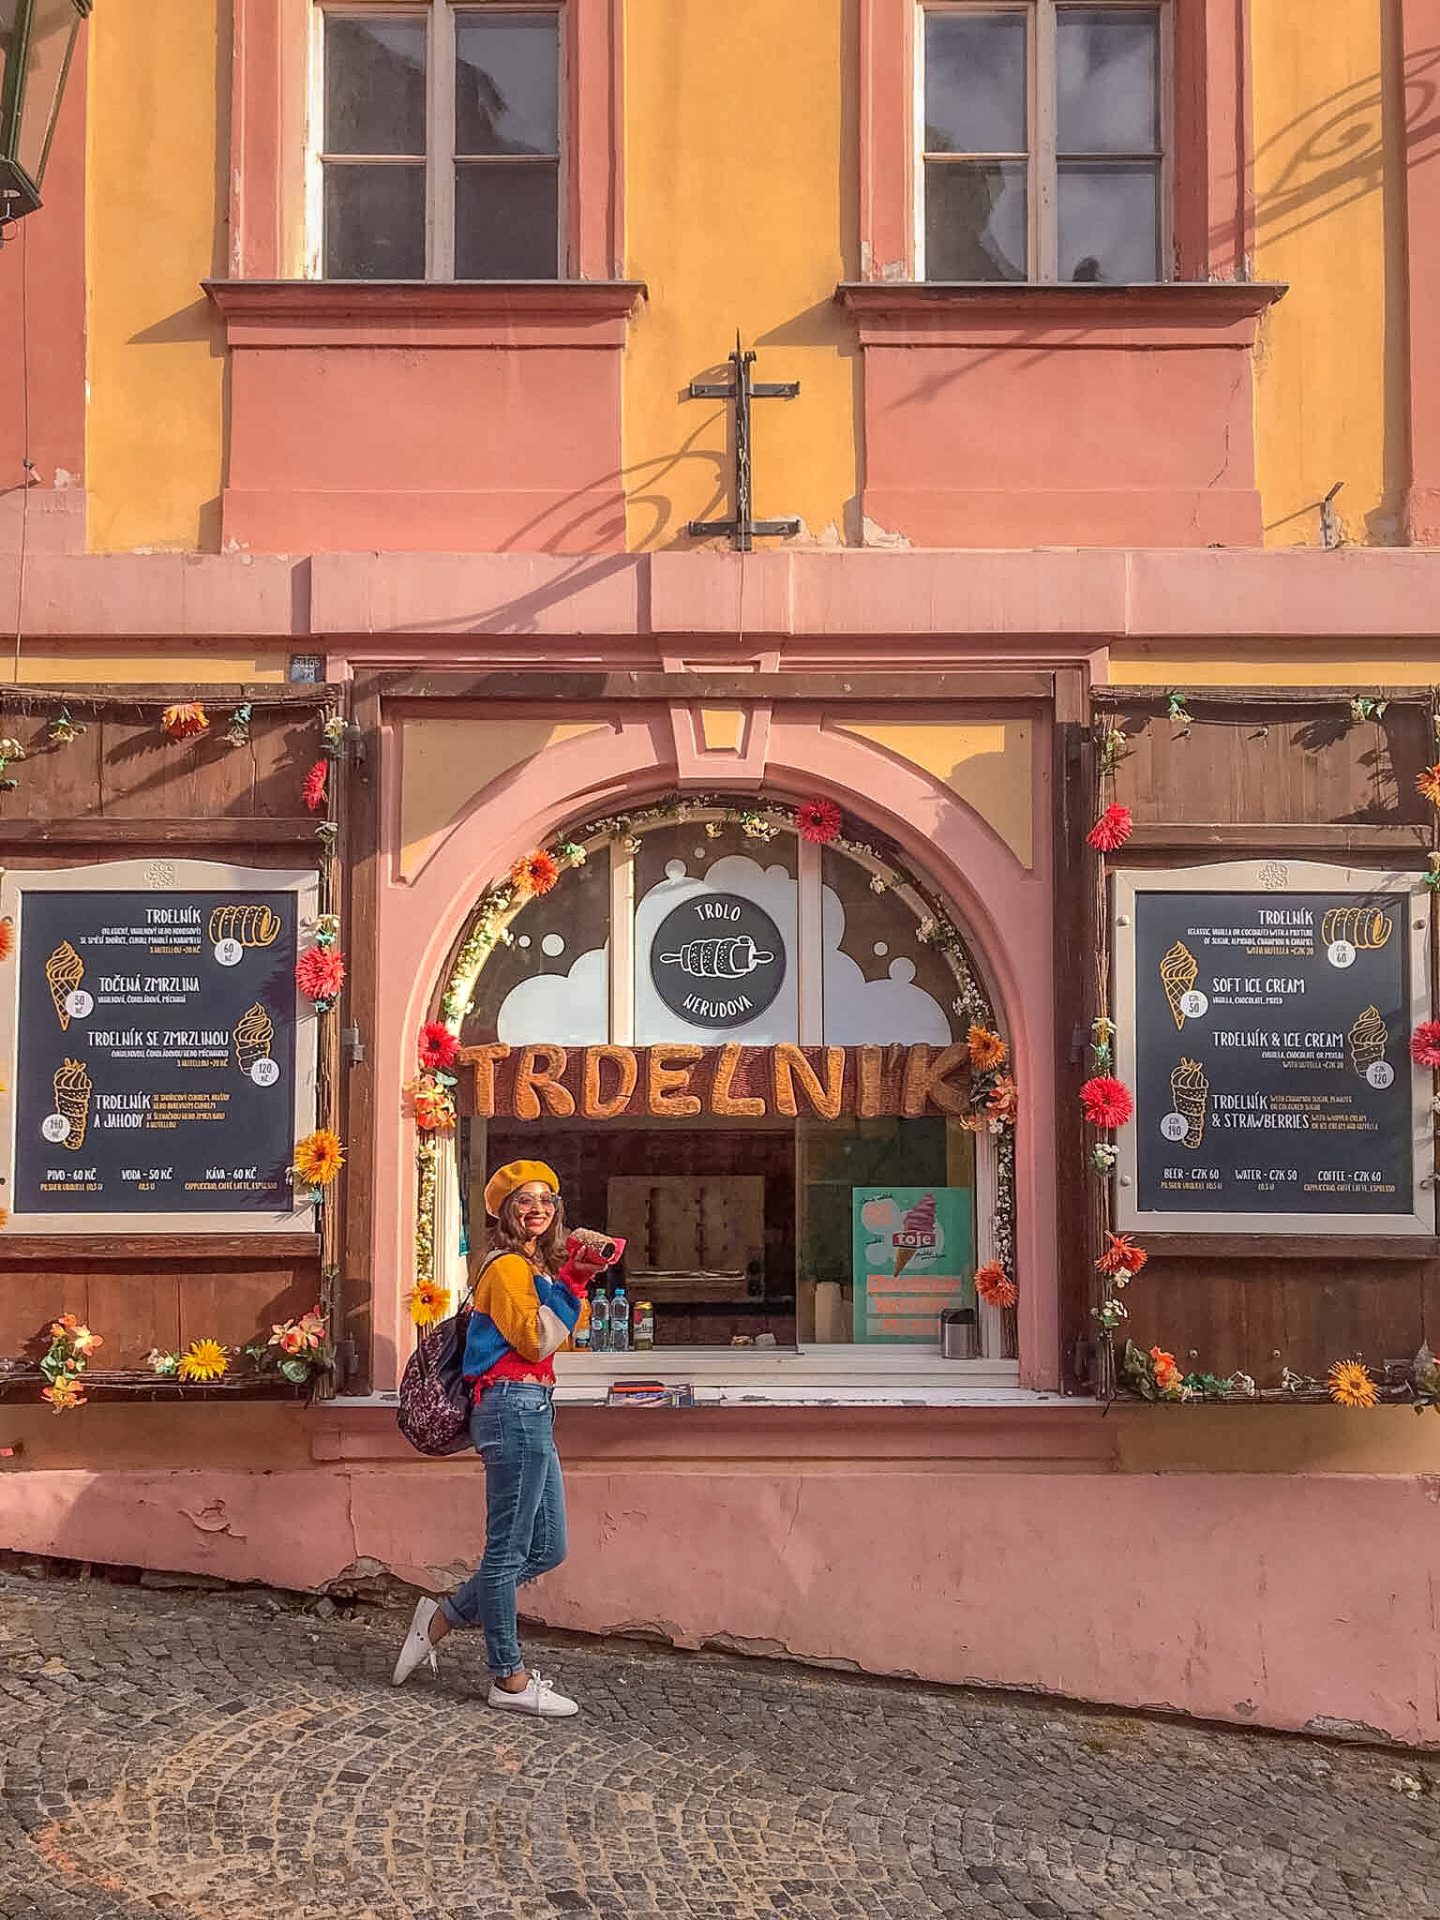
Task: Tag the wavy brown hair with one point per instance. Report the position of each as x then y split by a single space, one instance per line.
506 1235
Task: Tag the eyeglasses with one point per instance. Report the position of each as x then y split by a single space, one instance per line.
547 1200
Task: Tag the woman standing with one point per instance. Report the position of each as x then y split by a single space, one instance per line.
520 1317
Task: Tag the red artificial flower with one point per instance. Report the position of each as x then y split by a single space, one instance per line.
320 973
818 821
1121 1256
439 1049
1107 1102
994 1285
1428 784
536 873
1425 1045
315 783
1112 829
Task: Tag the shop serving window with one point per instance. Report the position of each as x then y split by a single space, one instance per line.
1042 143
438 143
750 1056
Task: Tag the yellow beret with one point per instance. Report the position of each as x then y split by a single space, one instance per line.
519 1173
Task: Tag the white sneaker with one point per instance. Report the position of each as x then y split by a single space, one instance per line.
538 1697
417 1648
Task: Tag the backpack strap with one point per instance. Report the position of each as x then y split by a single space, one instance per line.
491 1257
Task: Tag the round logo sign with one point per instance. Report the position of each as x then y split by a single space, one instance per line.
717 960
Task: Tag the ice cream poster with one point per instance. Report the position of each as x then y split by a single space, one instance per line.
1270 1047
157 1053
914 1255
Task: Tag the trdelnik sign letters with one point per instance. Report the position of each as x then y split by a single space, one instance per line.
717 961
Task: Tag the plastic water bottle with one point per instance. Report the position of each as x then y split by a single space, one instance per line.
599 1322
619 1322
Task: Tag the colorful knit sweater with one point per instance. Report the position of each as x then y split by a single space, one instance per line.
519 1319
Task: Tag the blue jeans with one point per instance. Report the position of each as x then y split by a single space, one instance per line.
513 1430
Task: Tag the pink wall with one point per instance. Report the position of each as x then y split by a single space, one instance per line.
455 418
1007 908
1275 1600
1084 416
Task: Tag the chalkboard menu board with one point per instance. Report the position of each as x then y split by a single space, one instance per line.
156 1054
1269 1043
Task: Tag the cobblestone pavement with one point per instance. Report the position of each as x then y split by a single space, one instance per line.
210 1757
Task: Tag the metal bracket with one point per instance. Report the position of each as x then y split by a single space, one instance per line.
741 531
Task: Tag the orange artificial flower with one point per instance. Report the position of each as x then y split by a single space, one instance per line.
987 1050
185 720
1350 1384
536 873
7 939
1427 784
319 1157
64 1393
1167 1372
994 1285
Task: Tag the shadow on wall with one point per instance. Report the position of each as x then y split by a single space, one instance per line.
1335 152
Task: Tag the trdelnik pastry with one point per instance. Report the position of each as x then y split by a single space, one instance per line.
1369 1038
64 971
254 1037
1190 1092
73 1088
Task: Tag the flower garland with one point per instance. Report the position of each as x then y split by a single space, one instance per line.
820 822
296 1351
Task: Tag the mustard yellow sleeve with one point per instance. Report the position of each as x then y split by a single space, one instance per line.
507 1293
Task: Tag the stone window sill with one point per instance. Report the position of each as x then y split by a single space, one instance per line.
405 313
955 313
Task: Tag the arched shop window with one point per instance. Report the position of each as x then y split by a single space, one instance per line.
749 1052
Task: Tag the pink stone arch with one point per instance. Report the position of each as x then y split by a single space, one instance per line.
1004 907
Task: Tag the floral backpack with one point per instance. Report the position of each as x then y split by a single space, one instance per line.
434 1409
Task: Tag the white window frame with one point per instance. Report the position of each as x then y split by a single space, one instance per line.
1042 162
440 159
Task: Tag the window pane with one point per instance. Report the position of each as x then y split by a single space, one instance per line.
975 220
975 83
374 85
507 222
1109 223
506 83
375 223
1109 87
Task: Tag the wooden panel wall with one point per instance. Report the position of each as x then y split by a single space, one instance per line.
1258 773
121 790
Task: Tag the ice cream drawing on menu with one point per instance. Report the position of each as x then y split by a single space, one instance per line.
1190 1092
1369 1037
1363 927
1179 971
254 1038
64 971
73 1088
916 1233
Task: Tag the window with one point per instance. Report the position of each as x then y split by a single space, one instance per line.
439 143
1043 143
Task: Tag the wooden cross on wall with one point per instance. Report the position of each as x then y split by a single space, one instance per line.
742 390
